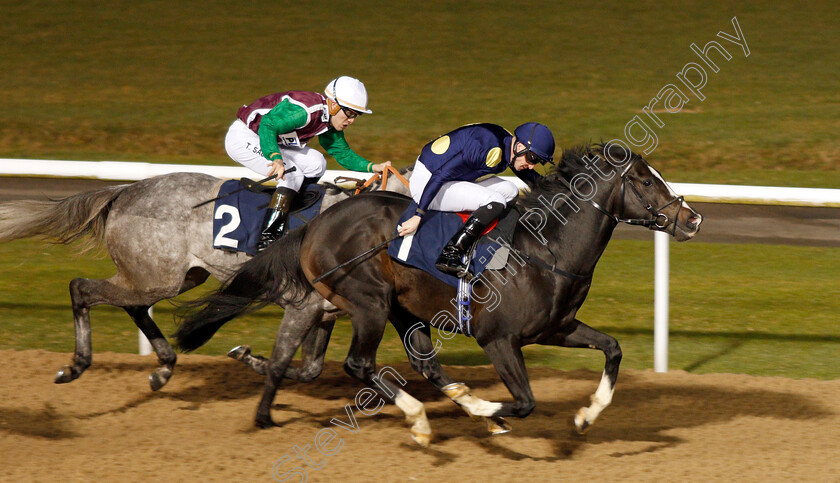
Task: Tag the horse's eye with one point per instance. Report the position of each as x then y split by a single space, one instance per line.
648 183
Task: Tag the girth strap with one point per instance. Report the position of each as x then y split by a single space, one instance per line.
545 266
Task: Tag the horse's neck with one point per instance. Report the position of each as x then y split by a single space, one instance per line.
584 242
395 184
333 198
577 244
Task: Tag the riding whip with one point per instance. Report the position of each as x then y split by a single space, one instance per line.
348 262
262 181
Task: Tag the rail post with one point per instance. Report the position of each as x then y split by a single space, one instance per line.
660 302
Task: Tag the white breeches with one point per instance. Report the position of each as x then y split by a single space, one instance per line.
243 146
461 195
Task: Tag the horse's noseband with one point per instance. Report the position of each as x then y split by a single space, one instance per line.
659 220
664 223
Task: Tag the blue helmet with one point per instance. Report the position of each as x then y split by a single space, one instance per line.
538 141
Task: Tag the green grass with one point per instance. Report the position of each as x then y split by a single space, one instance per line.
753 309
161 81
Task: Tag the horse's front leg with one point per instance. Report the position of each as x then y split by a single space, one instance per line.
242 353
289 338
313 352
166 356
314 347
582 336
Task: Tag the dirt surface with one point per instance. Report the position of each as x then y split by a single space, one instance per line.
109 426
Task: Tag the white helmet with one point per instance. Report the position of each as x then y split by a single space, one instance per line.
348 92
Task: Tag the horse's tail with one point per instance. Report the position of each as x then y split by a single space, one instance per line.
64 220
272 276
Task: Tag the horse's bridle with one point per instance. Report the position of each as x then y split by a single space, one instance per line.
660 220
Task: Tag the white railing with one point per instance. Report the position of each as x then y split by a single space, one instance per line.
128 171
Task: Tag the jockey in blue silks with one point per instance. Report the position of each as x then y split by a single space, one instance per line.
454 173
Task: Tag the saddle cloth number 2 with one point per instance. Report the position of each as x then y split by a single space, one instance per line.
221 240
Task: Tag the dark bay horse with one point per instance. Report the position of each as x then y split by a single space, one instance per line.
569 219
161 247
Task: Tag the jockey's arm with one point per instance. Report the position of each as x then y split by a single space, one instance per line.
283 118
429 192
528 176
336 146
455 168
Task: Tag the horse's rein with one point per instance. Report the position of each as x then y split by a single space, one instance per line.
359 188
384 176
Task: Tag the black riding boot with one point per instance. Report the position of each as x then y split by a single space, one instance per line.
451 258
276 216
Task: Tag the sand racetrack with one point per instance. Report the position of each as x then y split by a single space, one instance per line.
109 426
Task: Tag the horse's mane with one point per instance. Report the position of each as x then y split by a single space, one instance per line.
334 189
571 163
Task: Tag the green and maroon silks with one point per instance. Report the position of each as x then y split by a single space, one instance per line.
315 105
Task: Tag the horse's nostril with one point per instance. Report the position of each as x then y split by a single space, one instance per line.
694 220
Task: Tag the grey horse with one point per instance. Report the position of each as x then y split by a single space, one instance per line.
161 247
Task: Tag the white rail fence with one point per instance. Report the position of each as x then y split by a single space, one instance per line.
129 171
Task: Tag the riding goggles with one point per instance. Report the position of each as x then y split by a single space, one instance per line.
350 113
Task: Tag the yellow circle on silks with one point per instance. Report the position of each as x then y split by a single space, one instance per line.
494 157
440 145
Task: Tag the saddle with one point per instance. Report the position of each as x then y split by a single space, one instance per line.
421 249
240 208
304 199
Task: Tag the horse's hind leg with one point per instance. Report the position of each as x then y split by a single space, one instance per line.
361 364
80 289
582 336
86 293
421 354
166 356
507 358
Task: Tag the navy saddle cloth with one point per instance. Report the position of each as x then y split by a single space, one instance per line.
238 218
422 248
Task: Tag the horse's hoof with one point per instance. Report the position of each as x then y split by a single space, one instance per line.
423 439
581 424
264 422
64 375
159 378
497 425
239 352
